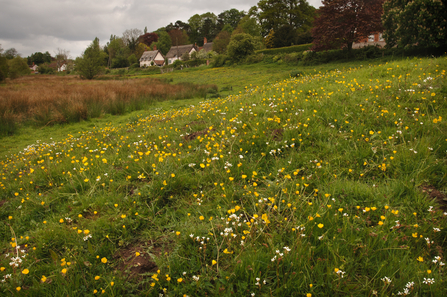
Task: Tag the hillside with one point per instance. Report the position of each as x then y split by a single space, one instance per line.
328 184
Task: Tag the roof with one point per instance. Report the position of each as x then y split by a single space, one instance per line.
149 55
177 51
207 47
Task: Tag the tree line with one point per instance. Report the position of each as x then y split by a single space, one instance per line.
276 23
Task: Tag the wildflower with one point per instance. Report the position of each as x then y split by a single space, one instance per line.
214 262
64 271
429 281
97 277
177 233
386 280
137 254
201 218
420 259
18 289
44 278
25 271
104 260
179 280
320 225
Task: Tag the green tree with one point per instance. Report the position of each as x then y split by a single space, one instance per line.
240 46
18 67
89 64
416 22
164 42
274 14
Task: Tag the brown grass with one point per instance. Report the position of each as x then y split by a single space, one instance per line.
44 100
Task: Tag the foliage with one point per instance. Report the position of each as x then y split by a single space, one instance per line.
221 42
289 49
39 58
89 65
4 68
411 23
178 37
148 38
45 69
228 20
164 42
131 38
201 26
240 46
343 22
132 59
275 14
120 62
18 67
11 53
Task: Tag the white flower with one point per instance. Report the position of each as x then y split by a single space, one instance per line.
429 281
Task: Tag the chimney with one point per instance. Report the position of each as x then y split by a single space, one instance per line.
155 47
204 41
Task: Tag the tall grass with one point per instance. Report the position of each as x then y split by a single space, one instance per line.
46 100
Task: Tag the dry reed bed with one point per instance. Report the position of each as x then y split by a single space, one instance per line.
44 100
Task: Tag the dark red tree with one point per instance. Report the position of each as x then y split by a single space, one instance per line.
178 37
148 38
342 22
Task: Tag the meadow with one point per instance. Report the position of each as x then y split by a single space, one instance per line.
328 184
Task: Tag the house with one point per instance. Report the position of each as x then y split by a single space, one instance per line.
152 58
63 67
375 39
176 52
33 67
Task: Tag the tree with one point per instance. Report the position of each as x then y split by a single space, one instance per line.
409 23
178 37
11 53
61 56
274 14
116 48
18 67
131 38
39 58
89 64
343 22
230 17
4 68
240 46
221 42
164 42
148 38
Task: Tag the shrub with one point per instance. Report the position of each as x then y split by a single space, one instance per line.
285 50
219 60
240 46
18 67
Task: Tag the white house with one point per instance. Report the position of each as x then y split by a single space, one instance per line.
176 52
62 68
152 58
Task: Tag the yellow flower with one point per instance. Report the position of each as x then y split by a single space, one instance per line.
308 295
86 180
179 280
429 271
95 291
123 216
97 277
44 278
380 223
64 271
18 289
336 270
137 254
177 233
214 262
25 271
244 176
111 284
104 260
320 226
231 178
172 175
420 259
201 218
61 221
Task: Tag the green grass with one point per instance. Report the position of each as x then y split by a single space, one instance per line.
313 185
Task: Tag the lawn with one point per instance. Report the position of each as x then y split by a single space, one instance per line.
329 184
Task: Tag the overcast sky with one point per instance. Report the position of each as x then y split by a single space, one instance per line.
32 26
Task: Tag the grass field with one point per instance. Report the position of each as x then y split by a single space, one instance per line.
329 184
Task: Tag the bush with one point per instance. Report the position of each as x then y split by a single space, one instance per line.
219 61
285 50
18 67
4 68
256 58
45 69
240 46
120 62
